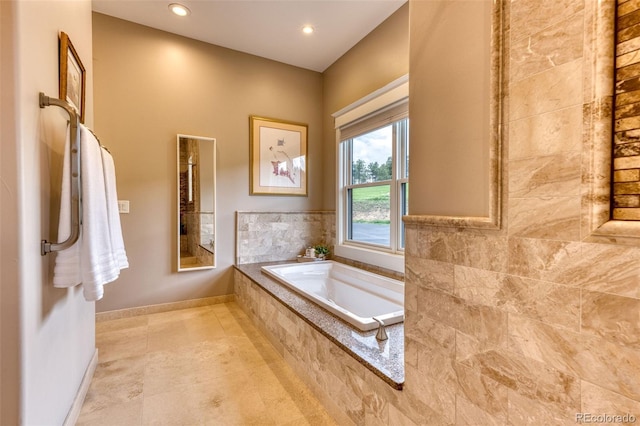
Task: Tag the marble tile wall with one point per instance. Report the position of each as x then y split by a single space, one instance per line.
530 324
274 236
626 150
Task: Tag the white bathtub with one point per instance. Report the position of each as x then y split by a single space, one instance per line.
352 294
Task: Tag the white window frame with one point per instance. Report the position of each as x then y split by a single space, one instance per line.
392 94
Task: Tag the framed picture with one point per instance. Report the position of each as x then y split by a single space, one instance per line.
72 76
278 154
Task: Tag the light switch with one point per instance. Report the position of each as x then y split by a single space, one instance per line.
123 206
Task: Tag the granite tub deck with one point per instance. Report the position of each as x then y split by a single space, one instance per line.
385 359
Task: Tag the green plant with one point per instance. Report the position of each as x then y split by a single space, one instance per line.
322 249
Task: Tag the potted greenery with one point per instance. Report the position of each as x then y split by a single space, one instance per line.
322 251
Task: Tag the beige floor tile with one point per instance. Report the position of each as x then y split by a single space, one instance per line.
115 382
121 343
168 335
123 414
319 419
228 400
256 352
230 307
234 321
285 401
231 327
179 315
184 330
207 365
189 365
201 362
121 324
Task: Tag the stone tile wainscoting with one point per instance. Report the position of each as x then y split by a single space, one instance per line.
274 236
532 324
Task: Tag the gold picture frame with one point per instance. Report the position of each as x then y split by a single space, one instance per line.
278 157
72 75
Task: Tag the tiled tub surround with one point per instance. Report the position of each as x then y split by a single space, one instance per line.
288 316
274 236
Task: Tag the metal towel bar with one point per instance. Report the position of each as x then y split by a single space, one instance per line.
74 135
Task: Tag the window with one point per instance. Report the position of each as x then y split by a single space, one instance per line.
373 153
375 187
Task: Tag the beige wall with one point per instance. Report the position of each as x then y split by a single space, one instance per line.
529 324
43 367
377 60
9 273
451 138
151 85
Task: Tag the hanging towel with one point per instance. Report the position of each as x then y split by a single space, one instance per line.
90 261
115 228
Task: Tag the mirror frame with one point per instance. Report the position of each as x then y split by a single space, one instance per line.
179 137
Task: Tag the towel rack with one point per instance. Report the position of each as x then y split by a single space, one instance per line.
74 135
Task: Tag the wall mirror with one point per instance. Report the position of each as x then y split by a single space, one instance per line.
196 183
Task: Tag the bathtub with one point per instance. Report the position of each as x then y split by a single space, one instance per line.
352 294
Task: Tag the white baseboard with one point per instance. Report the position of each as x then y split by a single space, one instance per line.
76 407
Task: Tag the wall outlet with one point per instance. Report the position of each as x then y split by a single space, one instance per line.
123 206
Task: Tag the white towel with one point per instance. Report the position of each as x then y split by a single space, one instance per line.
91 259
115 228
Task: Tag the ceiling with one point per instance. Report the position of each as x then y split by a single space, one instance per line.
268 28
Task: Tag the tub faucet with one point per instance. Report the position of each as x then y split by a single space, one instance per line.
382 332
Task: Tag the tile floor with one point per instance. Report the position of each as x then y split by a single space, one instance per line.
199 366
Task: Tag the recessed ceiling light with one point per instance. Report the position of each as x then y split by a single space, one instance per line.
179 9
308 29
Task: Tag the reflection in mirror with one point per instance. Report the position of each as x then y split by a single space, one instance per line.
196 203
